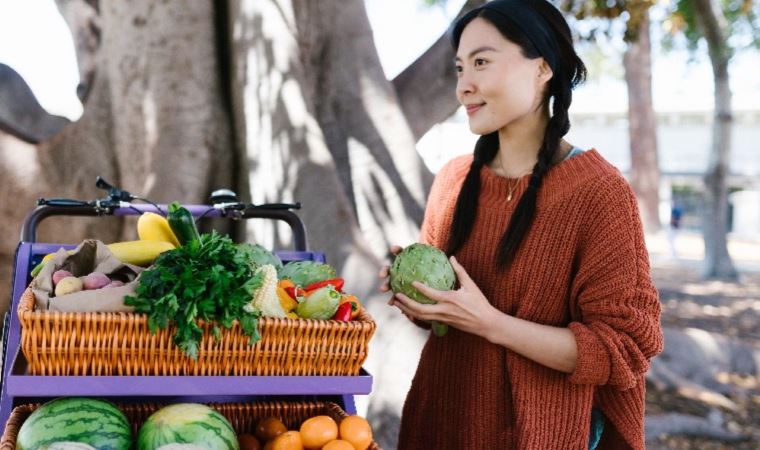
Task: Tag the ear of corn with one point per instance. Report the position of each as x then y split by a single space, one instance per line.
265 299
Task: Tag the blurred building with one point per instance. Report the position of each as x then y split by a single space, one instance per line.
684 140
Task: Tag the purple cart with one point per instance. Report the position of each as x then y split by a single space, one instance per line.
19 388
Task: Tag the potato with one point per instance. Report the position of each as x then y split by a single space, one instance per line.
68 285
59 275
113 284
96 280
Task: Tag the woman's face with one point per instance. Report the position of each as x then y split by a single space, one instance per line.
497 84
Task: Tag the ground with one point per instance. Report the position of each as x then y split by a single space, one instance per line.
729 309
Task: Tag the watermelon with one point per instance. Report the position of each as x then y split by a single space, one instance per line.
187 423
68 446
181 447
64 422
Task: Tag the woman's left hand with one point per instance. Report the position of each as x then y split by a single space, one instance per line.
466 308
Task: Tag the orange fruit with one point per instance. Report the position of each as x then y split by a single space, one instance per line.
289 440
248 442
356 431
318 431
270 428
338 444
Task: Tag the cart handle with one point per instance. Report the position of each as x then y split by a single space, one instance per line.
32 221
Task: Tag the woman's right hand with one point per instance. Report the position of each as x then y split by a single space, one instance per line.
386 286
385 273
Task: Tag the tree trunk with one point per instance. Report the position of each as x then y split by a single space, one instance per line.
718 262
419 87
154 123
83 19
313 108
642 126
283 148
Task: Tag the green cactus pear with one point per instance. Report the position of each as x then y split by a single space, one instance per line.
304 273
429 266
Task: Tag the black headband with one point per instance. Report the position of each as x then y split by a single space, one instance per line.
530 22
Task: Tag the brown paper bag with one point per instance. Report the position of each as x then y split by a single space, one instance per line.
90 256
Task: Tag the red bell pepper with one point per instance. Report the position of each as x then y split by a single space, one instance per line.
337 283
343 313
294 292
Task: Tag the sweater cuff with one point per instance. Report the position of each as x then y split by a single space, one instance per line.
422 324
593 360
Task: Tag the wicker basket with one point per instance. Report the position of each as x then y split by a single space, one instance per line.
242 416
97 343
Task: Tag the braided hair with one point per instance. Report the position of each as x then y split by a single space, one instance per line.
568 73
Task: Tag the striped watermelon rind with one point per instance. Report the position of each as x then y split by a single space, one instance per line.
187 423
68 446
97 423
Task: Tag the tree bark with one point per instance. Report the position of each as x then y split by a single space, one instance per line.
83 18
718 262
154 123
313 108
642 126
425 89
286 157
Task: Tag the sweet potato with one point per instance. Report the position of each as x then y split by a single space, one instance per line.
96 280
59 275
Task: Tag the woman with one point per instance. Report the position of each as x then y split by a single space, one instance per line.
556 317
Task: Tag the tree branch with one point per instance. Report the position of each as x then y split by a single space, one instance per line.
425 89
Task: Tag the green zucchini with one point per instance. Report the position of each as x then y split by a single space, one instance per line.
182 224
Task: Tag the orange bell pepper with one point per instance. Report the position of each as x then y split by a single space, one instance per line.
356 305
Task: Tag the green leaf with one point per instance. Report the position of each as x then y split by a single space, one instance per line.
209 279
250 325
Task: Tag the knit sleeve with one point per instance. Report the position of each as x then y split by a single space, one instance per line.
618 331
447 182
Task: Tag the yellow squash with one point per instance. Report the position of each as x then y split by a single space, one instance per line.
154 227
139 253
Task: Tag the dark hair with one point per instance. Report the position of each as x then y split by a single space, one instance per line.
569 71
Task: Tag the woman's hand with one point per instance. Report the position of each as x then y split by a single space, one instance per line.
466 308
385 274
385 271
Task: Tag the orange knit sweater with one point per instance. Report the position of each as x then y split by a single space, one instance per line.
582 265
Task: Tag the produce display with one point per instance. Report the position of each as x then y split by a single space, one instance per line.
427 265
317 433
193 276
83 423
189 278
70 423
183 424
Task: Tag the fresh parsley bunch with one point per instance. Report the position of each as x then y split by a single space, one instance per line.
209 279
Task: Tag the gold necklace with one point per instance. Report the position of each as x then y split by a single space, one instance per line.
511 186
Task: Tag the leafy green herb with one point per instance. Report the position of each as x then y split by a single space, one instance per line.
208 279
